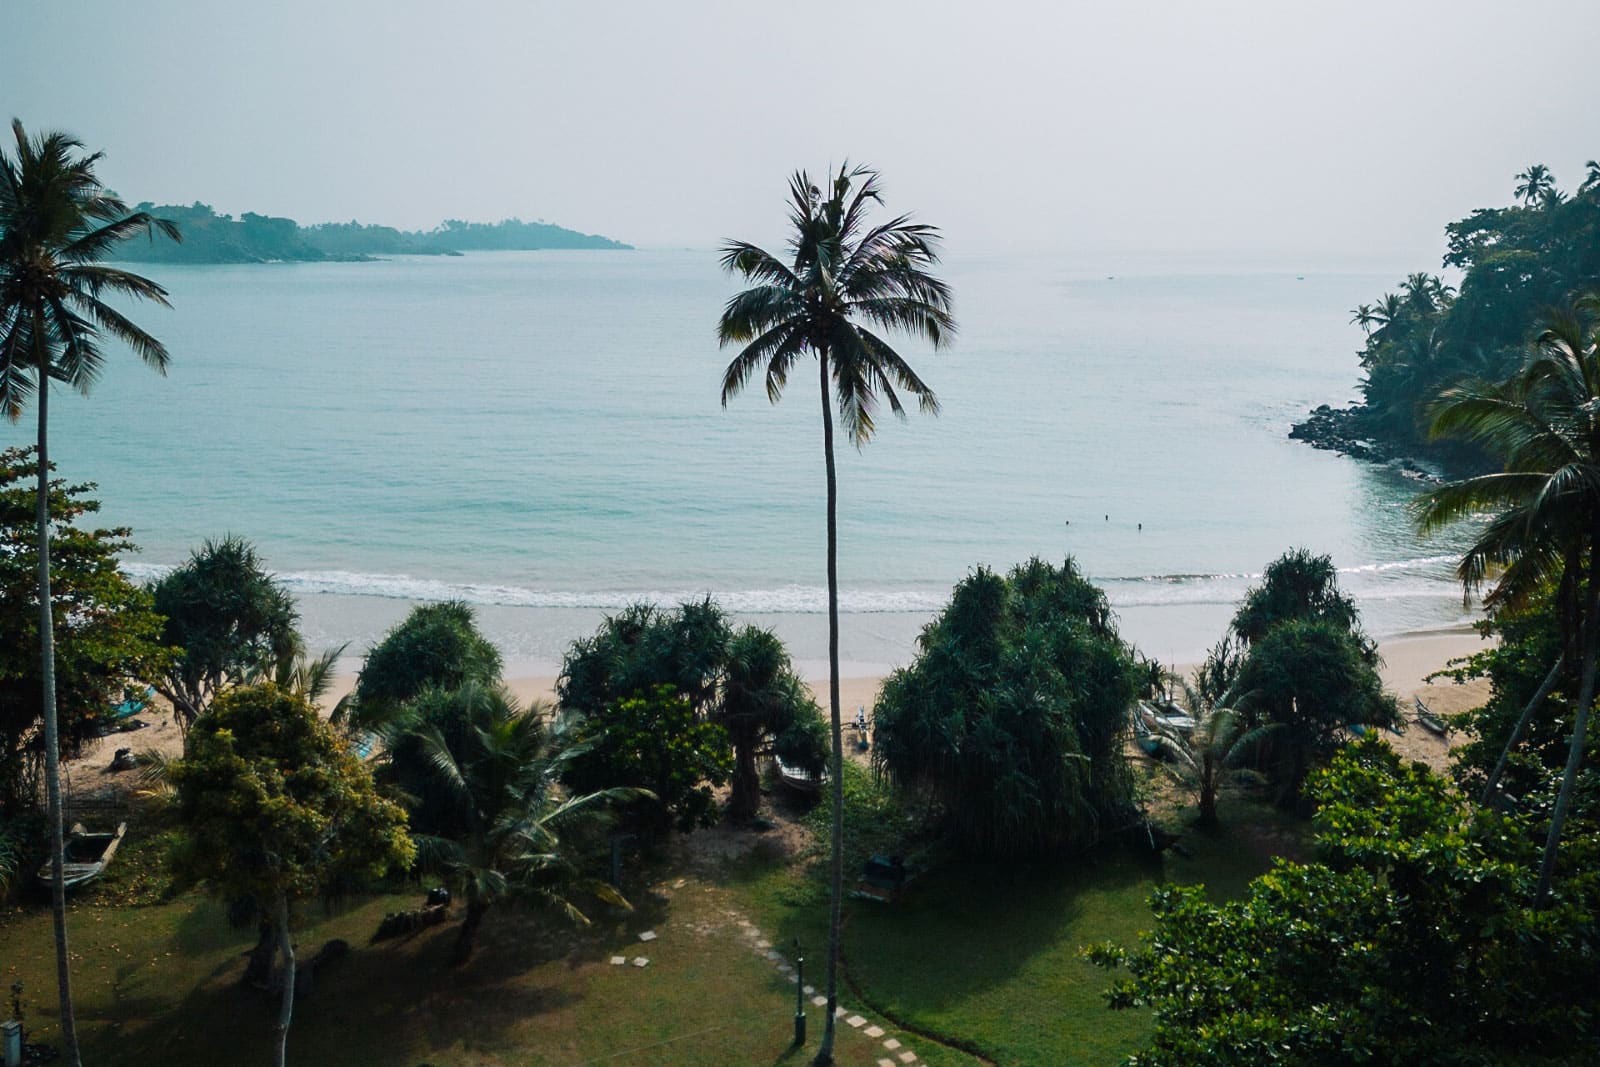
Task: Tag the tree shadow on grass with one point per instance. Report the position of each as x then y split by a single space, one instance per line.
380 1004
971 927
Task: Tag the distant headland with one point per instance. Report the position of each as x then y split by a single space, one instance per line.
212 238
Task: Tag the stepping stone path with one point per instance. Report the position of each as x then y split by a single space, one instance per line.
763 947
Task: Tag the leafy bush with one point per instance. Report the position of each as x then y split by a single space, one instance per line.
1011 721
1415 940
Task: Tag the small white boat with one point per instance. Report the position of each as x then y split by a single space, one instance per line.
87 857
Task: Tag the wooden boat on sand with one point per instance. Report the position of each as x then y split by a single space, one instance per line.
800 780
87 856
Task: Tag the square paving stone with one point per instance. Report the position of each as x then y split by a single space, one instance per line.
856 1021
908 1056
640 961
648 935
820 1002
892 1044
886 1062
618 961
873 1031
810 989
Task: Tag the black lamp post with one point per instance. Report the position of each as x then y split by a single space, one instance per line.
799 996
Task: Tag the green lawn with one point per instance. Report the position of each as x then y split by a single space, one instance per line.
987 959
156 983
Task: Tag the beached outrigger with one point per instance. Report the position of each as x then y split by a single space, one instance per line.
87 856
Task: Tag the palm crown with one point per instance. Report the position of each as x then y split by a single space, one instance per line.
56 223
842 278
1544 424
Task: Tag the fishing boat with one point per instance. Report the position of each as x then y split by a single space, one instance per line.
1167 719
87 856
799 779
1147 741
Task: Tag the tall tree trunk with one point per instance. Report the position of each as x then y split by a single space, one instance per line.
52 733
286 1004
467 939
744 798
1516 731
258 961
836 874
1580 726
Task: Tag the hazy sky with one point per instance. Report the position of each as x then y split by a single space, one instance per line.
1311 129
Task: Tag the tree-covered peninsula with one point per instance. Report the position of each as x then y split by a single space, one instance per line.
1516 263
209 237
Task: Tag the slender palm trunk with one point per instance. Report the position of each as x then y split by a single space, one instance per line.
467 938
836 874
1580 726
744 799
52 734
1516 731
286 1004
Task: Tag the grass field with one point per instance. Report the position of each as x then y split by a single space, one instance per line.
982 958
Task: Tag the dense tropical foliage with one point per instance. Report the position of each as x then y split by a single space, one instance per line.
1413 940
436 646
1013 718
1543 426
740 679
1515 261
499 827
1308 671
107 635
227 618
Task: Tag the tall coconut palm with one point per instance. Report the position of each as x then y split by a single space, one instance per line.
56 224
1535 184
1544 425
841 280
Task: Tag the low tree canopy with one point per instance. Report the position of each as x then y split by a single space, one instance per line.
107 633
1313 681
643 647
654 742
227 617
436 646
1414 941
275 808
506 828
1013 716
1298 586
741 679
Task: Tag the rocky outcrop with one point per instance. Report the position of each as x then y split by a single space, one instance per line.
1343 430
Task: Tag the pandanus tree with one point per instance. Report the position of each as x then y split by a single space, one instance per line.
842 284
56 224
1543 424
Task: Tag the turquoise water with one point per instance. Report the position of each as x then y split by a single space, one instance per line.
540 433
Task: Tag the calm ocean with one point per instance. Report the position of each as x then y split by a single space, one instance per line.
540 434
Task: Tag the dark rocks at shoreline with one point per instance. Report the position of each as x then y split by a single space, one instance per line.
1341 430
